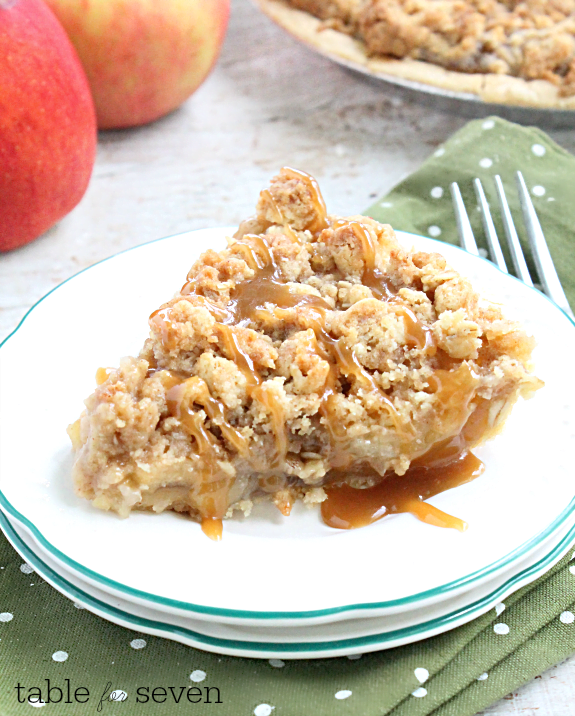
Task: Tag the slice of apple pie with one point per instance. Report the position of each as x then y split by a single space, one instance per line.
312 357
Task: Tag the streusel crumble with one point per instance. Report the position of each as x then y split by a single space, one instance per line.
312 354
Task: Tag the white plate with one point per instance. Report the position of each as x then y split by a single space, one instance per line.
99 315
354 636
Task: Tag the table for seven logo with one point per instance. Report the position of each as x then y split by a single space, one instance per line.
66 694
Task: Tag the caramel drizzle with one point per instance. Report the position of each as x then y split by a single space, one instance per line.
102 375
267 286
418 335
161 319
320 220
214 486
381 287
344 360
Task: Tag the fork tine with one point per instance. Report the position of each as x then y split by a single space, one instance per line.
466 238
489 227
540 250
511 235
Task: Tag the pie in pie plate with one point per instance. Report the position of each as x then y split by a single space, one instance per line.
382 285
499 52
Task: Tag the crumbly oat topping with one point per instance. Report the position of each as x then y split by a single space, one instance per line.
311 348
534 39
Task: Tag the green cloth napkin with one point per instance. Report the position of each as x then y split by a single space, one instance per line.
483 148
459 672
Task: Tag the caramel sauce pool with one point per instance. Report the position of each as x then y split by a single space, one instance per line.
348 508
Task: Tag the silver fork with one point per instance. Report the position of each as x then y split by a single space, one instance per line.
543 261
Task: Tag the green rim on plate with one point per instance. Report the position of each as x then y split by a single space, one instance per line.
419 631
131 593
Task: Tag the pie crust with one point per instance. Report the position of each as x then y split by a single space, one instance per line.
342 47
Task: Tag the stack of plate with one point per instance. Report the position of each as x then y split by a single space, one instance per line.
274 587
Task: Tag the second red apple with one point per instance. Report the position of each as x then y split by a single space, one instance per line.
143 58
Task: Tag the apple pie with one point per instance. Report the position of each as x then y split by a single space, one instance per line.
503 51
313 359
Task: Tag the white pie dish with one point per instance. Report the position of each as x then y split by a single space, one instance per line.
100 315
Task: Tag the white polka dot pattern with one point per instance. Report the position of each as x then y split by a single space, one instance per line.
263 710
485 163
198 675
567 617
277 663
421 674
37 704
436 192
138 643
6 617
60 656
118 695
501 628
419 693
345 694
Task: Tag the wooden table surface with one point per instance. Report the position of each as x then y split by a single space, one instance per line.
269 102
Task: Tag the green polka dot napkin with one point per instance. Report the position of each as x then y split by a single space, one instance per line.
44 636
422 202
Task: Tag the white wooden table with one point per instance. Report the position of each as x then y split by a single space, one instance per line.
269 102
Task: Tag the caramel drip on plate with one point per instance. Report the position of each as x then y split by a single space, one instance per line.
212 528
440 470
454 384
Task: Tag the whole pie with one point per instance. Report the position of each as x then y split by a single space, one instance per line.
313 359
503 51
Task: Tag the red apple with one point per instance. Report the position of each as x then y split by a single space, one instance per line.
47 123
143 58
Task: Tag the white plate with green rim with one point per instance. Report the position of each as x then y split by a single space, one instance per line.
354 636
525 496
457 608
